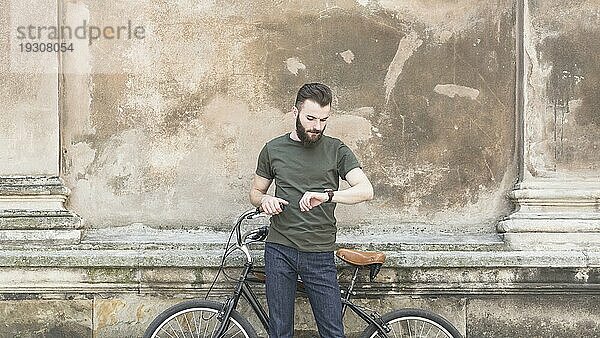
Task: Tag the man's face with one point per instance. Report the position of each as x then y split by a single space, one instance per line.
311 121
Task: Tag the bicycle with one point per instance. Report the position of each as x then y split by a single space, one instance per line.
210 319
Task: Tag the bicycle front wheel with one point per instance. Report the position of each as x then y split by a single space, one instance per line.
197 319
414 323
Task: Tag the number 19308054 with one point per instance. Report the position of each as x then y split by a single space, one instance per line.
49 47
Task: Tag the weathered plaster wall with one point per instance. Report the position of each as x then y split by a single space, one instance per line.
564 83
46 318
167 131
533 316
29 106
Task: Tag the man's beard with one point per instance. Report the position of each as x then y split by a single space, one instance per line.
306 138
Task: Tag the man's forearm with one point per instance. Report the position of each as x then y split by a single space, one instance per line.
356 194
256 197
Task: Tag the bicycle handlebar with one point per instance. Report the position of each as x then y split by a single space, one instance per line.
255 235
250 214
258 234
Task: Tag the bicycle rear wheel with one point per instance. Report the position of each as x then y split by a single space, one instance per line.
197 319
414 323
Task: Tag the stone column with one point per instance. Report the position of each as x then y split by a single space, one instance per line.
32 195
558 198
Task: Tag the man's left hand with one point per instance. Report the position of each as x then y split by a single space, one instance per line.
312 199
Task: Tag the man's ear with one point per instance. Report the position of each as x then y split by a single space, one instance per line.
295 111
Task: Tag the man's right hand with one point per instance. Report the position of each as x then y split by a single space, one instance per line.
271 205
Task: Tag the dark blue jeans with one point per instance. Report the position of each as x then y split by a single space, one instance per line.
317 270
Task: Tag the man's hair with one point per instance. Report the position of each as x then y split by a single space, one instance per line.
317 92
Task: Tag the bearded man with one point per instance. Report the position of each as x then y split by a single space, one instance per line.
306 167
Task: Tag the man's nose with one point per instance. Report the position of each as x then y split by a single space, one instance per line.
318 125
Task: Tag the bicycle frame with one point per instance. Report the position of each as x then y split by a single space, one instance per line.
243 289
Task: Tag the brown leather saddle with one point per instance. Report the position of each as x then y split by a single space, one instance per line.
360 258
371 259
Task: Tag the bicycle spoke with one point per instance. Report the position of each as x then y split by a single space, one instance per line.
428 331
206 329
188 326
196 327
231 327
414 327
172 330
180 328
199 321
422 328
394 331
215 328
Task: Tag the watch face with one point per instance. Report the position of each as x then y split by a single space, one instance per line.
330 193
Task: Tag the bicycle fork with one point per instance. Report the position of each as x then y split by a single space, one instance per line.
231 304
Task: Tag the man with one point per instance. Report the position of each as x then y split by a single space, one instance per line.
306 167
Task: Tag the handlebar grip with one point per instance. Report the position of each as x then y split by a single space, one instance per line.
260 210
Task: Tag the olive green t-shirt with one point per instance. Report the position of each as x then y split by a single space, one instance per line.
297 169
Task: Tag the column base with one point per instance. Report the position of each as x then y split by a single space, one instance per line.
32 211
554 214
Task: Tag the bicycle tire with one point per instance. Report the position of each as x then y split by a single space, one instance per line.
414 323
197 319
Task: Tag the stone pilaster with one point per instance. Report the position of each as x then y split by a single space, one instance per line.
557 201
32 196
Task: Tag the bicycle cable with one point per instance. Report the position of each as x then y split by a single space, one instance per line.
231 249
225 254
228 251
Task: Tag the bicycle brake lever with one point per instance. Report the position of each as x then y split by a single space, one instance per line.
260 234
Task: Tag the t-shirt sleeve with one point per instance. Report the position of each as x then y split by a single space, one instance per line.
346 160
263 168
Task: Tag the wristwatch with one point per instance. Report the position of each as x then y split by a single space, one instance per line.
330 194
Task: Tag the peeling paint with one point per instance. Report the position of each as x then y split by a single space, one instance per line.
583 275
406 47
348 56
107 313
351 129
82 156
294 65
453 90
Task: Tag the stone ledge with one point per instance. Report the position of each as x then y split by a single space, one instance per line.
41 282
209 257
138 235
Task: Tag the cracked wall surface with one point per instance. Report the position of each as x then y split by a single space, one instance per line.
167 131
564 86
